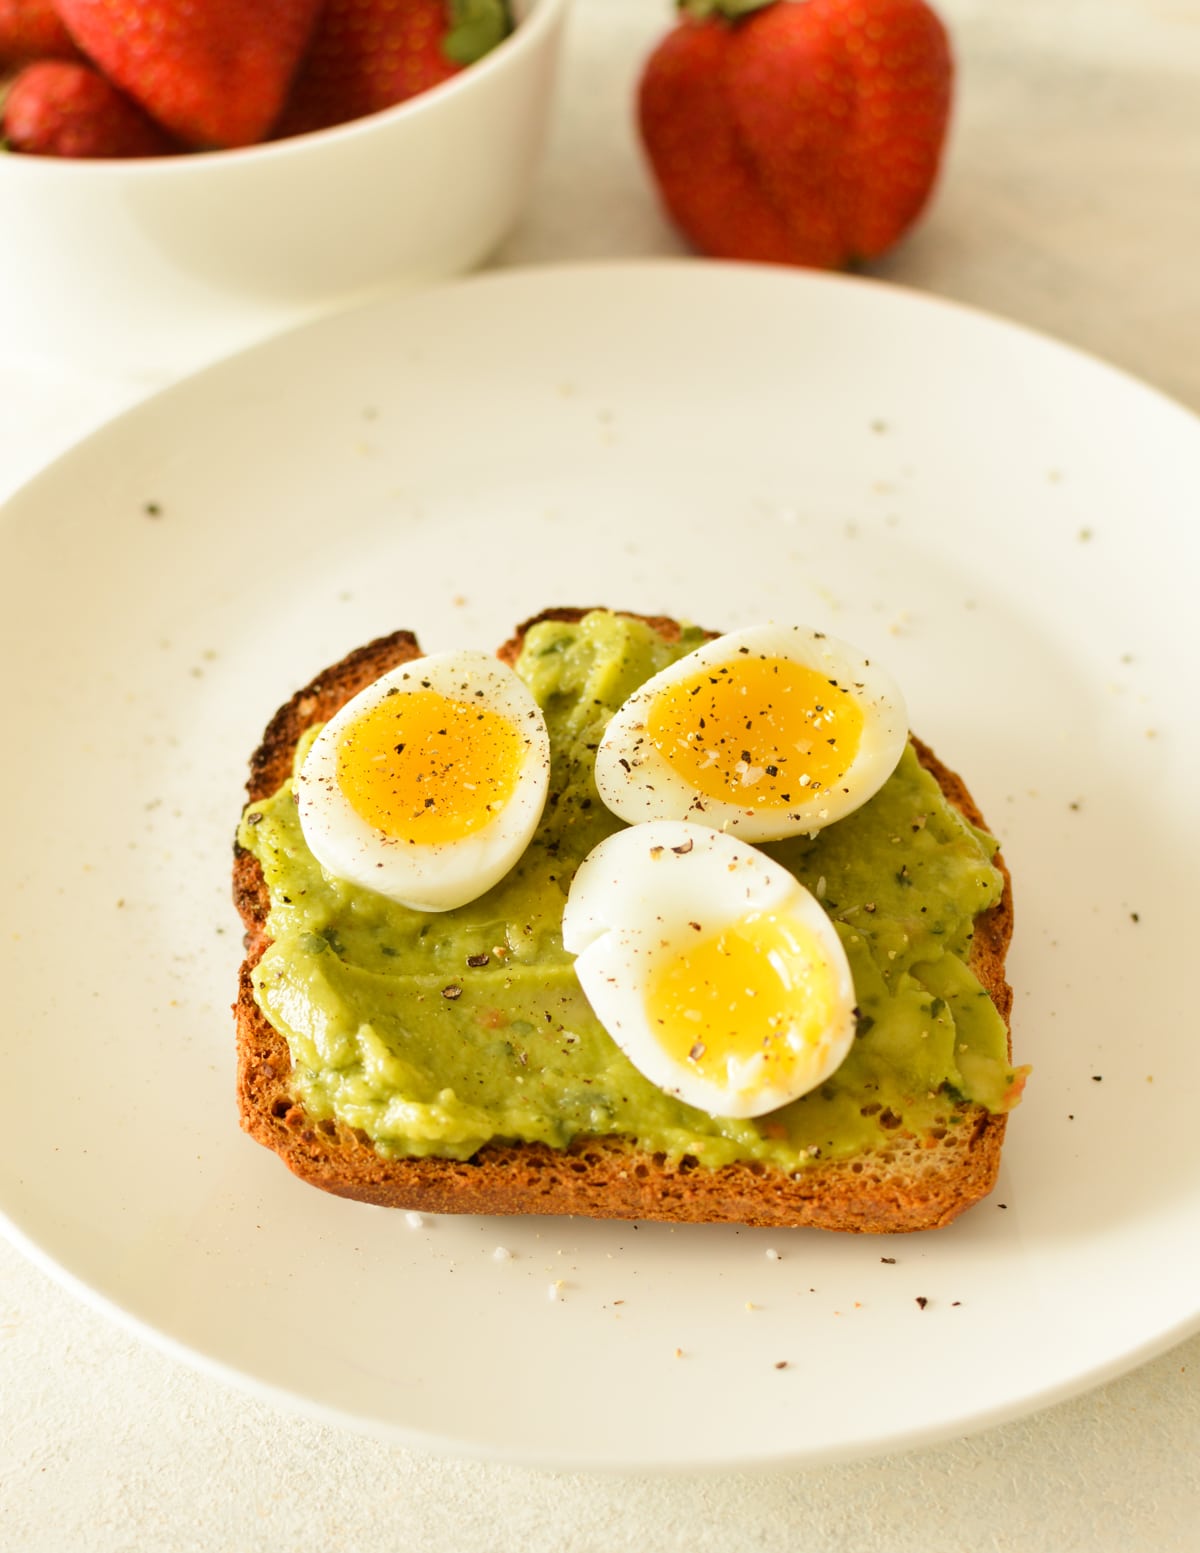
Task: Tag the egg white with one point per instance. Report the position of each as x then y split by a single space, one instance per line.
639 899
638 783
434 876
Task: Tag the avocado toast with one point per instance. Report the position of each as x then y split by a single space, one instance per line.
474 1079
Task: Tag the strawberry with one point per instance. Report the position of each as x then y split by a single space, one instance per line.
797 131
213 72
56 107
367 55
32 29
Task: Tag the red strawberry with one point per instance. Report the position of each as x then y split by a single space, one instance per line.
213 72
367 55
797 131
56 107
31 29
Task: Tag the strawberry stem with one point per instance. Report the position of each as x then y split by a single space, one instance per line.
476 26
728 10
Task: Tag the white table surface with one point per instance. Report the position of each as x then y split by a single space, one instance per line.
1071 202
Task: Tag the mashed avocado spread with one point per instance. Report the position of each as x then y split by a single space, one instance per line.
437 1033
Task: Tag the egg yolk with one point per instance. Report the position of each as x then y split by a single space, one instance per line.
760 988
759 732
423 768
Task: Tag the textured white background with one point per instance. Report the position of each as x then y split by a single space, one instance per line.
1070 201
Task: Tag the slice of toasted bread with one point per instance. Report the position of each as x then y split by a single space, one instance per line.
908 1184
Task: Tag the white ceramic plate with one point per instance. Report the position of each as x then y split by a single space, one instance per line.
1011 526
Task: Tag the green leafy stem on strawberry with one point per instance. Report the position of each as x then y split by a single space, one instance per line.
731 10
476 27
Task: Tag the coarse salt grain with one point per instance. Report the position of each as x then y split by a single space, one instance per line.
501 1254
414 1221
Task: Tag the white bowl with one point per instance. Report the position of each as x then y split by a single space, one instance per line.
150 267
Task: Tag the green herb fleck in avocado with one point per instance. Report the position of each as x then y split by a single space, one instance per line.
436 1034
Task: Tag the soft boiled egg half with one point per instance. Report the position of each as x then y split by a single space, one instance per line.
427 786
716 972
768 732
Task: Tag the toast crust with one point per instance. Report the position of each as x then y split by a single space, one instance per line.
909 1184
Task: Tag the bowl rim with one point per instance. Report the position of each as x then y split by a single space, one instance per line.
529 30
